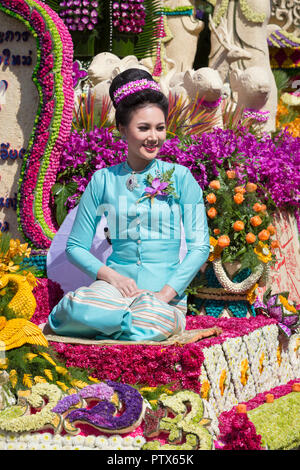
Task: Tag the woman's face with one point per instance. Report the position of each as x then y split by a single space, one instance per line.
145 134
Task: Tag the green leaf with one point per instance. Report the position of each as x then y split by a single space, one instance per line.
61 193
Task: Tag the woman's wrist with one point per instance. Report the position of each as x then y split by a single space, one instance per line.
168 293
105 273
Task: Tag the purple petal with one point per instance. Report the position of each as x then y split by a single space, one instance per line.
284 328
150 190
156 183
163 185
272 301
275 312
290 320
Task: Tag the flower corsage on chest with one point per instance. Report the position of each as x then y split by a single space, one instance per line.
159 187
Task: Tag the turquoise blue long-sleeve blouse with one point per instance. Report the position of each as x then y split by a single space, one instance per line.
145 237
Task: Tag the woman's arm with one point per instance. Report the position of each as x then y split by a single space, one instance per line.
196 235
81 237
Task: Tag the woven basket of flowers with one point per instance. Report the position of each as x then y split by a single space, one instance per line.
242 240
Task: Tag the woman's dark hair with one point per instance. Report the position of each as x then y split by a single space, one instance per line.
137 100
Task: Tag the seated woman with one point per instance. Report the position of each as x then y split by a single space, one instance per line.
139 293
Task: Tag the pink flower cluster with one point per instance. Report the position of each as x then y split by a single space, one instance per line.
40 166
47 294
129 16
156 365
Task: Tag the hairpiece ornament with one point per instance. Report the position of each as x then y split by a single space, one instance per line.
133 87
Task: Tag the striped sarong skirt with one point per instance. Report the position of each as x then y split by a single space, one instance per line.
101 312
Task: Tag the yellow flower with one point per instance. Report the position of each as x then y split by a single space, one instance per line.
251 295
286 304
263 253
215 249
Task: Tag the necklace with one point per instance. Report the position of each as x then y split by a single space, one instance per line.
132 181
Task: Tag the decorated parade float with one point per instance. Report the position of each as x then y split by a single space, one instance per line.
231 72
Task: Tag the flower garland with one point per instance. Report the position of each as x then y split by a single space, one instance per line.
129 16
257 115
54 53
250 14
79 15
233 287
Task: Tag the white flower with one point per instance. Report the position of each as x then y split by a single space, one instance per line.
127 441
67 439
10 446
101 442
2 436
90 441
21 446
46 437
67 448
78 440
139 441
11 437
115 440
3 445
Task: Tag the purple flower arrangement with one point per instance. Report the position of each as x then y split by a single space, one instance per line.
103 415
79 15
129 16
272 163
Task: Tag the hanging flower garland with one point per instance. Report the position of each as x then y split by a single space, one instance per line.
129 16
38 173
79 15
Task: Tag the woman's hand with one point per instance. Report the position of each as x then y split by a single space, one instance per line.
125 285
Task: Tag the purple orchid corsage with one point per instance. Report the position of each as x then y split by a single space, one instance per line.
159 186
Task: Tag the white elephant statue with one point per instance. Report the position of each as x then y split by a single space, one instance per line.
239 32
251 89
103 68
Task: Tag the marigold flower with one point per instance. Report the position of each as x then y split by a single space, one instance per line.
263 253
275 244
264 235
255 221
211 198
250 237
263 207
251 187
271 229
215 184
223 241
239 189
231 174
217 231
238 198
212 212
238 226
257 207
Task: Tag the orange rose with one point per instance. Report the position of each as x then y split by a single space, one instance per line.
217 231
271 229
215 184
263 207
251 187
255 221
212 212
250 237
223 241
238 226
275 244
264 235
231 174
211 198
239 189
257 207
238 198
